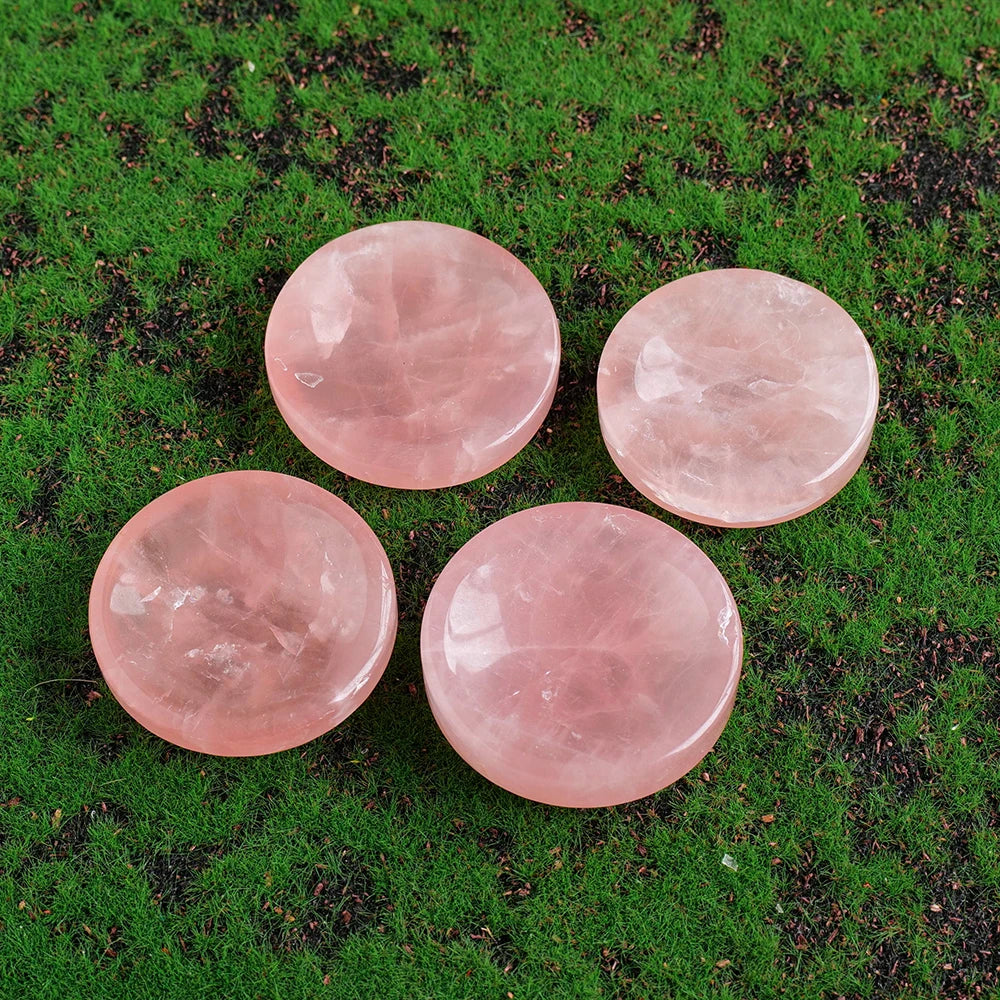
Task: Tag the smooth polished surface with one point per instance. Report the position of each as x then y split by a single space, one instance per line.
737 397
243 613
581 654
413 354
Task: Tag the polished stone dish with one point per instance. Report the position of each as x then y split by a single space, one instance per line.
737 397
413 354
243 613
581 654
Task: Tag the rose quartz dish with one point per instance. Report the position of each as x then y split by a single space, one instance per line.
413 354
581 654
243 613
737 397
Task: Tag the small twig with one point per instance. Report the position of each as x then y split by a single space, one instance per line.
63 680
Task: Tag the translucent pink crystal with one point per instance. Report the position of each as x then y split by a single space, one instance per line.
581 654
737 397
243 613
413 354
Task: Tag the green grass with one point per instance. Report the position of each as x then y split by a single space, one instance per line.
150 219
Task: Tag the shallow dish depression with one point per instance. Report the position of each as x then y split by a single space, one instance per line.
737 397
415 355
243 613
581 654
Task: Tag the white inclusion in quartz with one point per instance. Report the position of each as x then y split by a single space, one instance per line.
290 642
330 325
310 379
179 597
475 636
125 600
656 371
224 655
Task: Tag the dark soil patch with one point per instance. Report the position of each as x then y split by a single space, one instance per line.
370 59
793 111
933 180
933 300
227 390
335 906
714 172
630 183
366 172
426 555
172 328
924 660
16 250
813 918
270 281
109 748
106 945
232 14
513 176
455 49
109 812
162 60
707 32
619 968
47 481
500 499
935 294
617 489
577 390
965 924
857 728
498 845
915 384
63 695
171 874
778 71
276 148
860 728
119 308
771 565
786 172
347 754
39 111
132 143
591 290
685 248
578 24
211 128
500 949
888 966
11 354
877 754
586 119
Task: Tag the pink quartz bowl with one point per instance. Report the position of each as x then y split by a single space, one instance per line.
413 354
737 397
243 613
581 654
